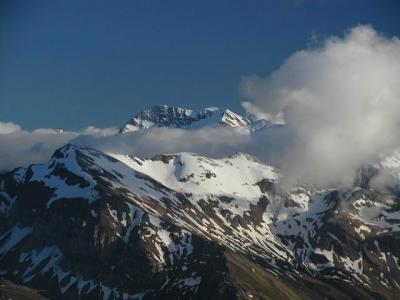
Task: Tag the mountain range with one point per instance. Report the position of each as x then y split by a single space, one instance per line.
95 225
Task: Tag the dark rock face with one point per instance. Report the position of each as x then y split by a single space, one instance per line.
87 226
169 115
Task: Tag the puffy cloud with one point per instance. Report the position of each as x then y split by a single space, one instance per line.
92 130
341 104
9 127
254 112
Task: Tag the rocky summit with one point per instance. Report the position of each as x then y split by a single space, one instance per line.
177 117
91 225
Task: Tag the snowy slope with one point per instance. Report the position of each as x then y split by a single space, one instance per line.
96 225
192 173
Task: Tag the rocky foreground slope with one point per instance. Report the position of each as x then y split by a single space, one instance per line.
92 225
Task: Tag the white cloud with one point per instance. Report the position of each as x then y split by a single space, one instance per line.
9 127
341 103
22 148
254 112
92 130
210 141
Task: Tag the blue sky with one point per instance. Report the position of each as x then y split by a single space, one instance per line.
73 63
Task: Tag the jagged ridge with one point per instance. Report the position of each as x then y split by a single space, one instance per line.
92 225
177 117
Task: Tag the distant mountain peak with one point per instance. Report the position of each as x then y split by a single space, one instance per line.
178 117
58 130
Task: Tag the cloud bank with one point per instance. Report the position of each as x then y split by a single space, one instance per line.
340 101
20 148
9 127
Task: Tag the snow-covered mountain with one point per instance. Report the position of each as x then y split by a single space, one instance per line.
182 226
177 117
